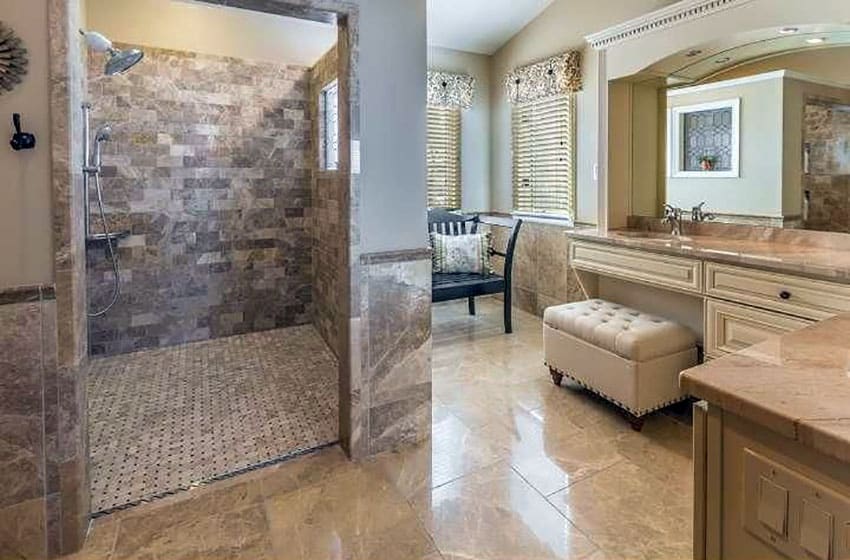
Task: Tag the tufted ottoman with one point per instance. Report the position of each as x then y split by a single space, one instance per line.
626 356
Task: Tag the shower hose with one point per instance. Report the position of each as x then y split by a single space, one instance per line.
116 286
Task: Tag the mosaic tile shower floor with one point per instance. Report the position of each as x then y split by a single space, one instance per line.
168 419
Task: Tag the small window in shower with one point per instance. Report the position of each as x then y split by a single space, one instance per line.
329 133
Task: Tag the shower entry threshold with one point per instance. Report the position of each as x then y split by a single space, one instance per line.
170 419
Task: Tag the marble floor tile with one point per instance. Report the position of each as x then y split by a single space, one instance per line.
516 468
550 456
356 514
494 514
453 451
630 514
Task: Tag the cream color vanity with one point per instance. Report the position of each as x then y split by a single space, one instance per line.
737 103
772 437
752 291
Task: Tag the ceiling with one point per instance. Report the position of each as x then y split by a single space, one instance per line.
703 62
479 26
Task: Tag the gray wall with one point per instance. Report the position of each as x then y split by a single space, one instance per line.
475 124
393 71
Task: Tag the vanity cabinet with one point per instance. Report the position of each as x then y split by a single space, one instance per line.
742 305
730 327
666 271
784 293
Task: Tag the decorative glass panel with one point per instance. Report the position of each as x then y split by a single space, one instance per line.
707 137
329 128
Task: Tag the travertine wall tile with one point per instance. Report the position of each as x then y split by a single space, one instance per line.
328 198
827 128
209 172
542 275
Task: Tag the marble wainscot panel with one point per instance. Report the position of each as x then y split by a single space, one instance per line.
27 466
328 200
208 171
393 393
542 276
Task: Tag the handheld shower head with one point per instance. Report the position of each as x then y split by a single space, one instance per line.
117 61
103 134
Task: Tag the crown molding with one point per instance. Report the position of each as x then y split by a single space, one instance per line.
664 18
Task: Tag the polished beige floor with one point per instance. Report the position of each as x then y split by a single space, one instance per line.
516 469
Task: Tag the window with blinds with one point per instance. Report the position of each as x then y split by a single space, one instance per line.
544 156
444 157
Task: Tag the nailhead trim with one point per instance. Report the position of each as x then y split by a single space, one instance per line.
608 398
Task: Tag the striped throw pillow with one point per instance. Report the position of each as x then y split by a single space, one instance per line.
457 254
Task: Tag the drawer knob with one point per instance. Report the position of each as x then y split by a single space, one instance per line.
785 294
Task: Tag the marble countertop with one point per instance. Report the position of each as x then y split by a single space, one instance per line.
797 385
823 262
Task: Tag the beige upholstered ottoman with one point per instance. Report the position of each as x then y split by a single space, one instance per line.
626 356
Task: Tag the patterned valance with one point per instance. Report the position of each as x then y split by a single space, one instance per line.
557 75
450 90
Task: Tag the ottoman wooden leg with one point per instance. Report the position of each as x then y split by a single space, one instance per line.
556 376
635 421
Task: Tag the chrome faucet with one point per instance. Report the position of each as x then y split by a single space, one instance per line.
699 215
673 216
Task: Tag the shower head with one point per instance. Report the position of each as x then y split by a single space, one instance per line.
121 61
117 61
103 134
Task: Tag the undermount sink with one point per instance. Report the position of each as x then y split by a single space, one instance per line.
657 236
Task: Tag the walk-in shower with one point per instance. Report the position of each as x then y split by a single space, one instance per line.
117 62
210 355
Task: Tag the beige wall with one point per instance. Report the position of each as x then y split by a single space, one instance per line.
829 64
758 189
475 124
562 26
25 221
195 27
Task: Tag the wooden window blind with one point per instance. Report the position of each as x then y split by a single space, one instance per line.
544 156
443 157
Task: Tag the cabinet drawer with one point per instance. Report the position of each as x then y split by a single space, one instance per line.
639 266
730 327
794 295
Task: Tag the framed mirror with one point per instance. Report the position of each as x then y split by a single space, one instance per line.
756 127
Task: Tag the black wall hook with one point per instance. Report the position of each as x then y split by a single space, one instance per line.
21 140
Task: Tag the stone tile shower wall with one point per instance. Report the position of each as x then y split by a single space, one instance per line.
827 133
209 169
328 196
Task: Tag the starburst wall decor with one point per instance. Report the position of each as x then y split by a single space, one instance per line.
13 59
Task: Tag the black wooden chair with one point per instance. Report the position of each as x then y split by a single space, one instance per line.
447 287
